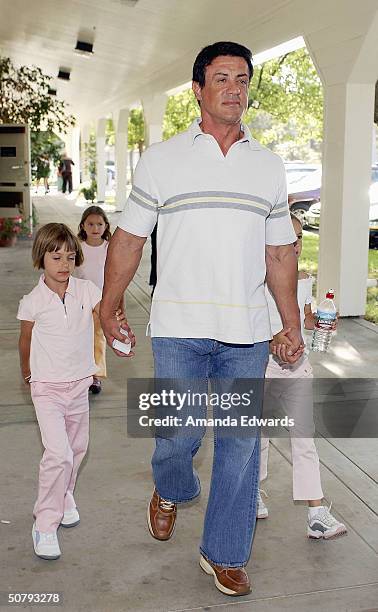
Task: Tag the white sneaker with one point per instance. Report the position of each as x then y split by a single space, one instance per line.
70 518
46 545
324 525
262 510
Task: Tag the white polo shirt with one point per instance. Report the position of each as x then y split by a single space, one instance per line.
62 336
216 213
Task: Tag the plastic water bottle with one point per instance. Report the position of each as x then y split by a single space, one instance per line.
326 315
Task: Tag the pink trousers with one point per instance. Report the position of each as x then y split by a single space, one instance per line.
62 411
294 395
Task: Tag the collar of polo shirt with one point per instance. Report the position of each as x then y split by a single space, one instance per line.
195 131
50 294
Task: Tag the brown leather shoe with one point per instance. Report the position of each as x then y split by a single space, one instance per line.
161 517
232 581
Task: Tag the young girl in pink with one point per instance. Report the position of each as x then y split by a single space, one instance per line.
94 234
57 361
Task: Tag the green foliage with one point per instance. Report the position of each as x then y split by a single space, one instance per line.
373 263
110 132
89 192
310 253
181 110
90 157
287 104
372 292
309 263
24 98
372 305
44 143
136 129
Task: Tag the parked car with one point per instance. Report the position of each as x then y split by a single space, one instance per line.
297 170
312 218
373 216
373 226
305 192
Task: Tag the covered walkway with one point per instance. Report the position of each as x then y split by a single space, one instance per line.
110 562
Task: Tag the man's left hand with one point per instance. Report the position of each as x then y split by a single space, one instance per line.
291 348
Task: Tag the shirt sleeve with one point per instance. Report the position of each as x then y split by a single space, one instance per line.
95 293
140 214
279 228
25 309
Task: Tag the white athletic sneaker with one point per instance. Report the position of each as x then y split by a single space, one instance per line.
46 545
262 510
324 525
70 518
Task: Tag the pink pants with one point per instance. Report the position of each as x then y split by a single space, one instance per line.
295 396
62 411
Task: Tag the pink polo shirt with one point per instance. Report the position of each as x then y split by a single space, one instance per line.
62 337
94 263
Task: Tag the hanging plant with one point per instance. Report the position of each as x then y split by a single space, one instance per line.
25 98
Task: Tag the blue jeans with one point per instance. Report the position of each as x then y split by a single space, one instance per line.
231 509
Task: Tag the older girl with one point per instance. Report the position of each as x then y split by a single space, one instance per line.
94 234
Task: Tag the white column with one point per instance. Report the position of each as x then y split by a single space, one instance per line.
374 152
154 110
344 224
349 71
72 147
84 140
100 160
122 125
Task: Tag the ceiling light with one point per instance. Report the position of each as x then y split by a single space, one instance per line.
127 2
84 48
64 74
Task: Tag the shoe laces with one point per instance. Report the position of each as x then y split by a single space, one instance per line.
166 505
326 516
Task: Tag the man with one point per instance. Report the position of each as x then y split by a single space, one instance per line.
65 169
223 226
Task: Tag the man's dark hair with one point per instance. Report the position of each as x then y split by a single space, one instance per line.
209 53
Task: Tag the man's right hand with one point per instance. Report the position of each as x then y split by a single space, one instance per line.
111 327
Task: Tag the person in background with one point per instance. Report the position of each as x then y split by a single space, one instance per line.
65 170
43 172
291 386
94 234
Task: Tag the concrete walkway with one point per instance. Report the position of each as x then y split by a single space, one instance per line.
110 562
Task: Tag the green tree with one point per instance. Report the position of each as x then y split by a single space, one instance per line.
25 98
286 98
91 156
181 110
110 132
44 143
136 129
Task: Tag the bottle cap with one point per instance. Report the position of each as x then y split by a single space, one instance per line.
330 294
